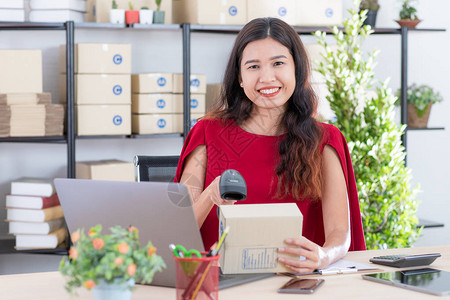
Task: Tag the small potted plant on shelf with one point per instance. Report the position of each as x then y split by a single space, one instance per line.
158 14
408 15
131 15
420 99
116 15
145 15
372 8
109 264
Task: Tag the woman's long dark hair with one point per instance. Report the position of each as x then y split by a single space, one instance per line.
299 168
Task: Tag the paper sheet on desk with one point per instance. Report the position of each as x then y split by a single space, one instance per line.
342 266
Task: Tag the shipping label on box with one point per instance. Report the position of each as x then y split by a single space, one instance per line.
224 12
156 104
197 83
112 169
318 12
20 71
156 124
99 58
256 232
98 10
103 119
197 103
281 9
152 83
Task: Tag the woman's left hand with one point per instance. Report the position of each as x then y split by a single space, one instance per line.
304 255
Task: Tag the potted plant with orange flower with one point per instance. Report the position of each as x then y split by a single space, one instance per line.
109 263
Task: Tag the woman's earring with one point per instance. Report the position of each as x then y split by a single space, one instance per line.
242 84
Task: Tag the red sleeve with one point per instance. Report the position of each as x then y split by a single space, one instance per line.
196 137
336 139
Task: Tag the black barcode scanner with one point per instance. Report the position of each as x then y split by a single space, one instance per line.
232 186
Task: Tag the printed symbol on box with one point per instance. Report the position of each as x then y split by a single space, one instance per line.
282 11
117 59
193 122
221 228
161 123
161 81
117 120
194 103
329 12
161 103
259 258
117 90
232 10
195 82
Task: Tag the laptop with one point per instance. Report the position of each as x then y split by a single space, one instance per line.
161 211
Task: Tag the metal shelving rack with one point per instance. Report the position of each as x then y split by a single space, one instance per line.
69 137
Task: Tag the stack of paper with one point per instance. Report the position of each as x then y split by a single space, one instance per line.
57 10
25 98
54 119
5 116
27 120
12 11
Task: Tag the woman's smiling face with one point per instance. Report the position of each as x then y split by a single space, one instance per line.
267 74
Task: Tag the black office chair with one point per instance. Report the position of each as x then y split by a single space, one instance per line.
156 168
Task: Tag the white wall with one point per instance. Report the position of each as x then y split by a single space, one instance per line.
154 51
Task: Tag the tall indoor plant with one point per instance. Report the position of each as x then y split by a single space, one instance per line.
366 118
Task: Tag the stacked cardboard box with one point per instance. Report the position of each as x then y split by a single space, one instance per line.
57 10
157 102
12 11
102 88
26 110
198 94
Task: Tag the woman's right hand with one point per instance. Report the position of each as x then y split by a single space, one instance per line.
213 194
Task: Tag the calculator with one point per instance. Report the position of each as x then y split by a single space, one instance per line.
404 260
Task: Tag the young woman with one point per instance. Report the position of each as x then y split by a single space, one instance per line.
264 127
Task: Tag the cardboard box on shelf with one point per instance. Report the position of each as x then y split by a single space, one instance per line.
76 5
155 124
230 12
98 10
56 15
212 95
20 71
12 15
194 118
98 88
155 104
197 102
103 119
197 84
318 12
282 9
111 169
256 232
91 58
148 83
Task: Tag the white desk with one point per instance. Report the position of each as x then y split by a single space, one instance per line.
50 285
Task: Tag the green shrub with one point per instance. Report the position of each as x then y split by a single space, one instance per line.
366 118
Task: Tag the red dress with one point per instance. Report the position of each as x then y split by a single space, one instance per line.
256 156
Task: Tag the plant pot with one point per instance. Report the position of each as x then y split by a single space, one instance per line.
408 23
371 18
132 16
117 16
145 16
158 17
414 121
113 291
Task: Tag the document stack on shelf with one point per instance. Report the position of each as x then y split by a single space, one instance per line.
35 215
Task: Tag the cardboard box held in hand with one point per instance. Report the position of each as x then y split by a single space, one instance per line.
256 232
